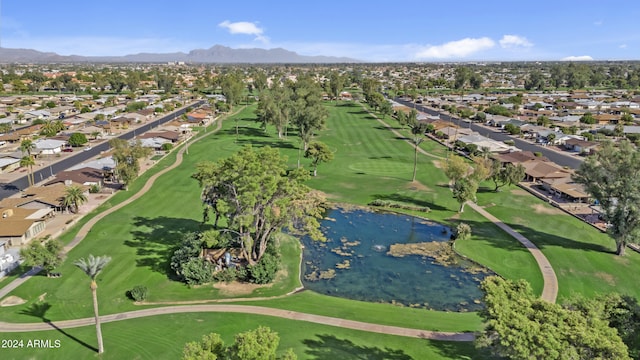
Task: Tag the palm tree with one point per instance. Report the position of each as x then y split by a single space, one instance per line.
74 197
28 161
92 267
26 146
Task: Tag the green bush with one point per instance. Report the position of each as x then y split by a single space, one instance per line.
94 189
227 275
265 270
197 271
138 293
167 146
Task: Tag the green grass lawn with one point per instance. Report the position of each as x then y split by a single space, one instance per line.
370 163
163 337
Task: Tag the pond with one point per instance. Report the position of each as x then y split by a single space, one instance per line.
356 263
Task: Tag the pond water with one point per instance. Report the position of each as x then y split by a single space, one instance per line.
354 263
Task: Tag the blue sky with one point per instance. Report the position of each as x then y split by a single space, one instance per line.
372 30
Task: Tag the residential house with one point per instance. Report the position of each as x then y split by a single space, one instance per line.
566 188
86 176
18 226
538 170
49 146
8 164
581 146
172 136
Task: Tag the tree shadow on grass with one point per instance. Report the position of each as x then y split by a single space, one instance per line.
157 238
39 310
461 350
409 200
329 347
539 238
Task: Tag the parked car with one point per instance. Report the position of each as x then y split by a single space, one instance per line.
87 148
67 149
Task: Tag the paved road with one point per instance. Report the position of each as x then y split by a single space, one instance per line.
557 157
8 189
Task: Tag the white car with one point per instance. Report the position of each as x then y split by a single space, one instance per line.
87 148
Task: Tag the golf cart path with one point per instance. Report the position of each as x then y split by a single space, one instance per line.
245 309
550 288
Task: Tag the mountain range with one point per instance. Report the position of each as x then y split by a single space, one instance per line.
216 54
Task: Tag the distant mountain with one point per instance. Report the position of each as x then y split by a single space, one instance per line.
217 54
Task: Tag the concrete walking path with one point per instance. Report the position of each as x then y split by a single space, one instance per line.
550 288
245 309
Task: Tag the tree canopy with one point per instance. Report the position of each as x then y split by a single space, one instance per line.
522 326
611 177
259 198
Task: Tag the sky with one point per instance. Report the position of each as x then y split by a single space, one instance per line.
371 30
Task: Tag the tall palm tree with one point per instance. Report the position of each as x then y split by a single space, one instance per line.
92 267
28 161
74 197
26 146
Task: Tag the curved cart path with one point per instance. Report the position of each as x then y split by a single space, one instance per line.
550 288
245 309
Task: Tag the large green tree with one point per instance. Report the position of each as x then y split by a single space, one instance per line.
260 197
521 326
612 176
48 255
318 152
127 157
77 139
509 174
92 266
309 113
258 344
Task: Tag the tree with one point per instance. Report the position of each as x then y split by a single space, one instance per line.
258 344
127 157
211 347
610 176
318 152
309 114
336 83
30 162
260 196
521 326
92 266
77 139
508 175
417 137
588 118
232 88
73 197
48 255
455 168
465 190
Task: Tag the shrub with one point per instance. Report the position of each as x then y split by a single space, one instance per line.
94 189
389 204
167 146
197 271
463 231
265 270
138 293
227 275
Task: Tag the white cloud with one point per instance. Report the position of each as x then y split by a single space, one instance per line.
511 41
245 28
598 23
577 58
456 49
623 46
